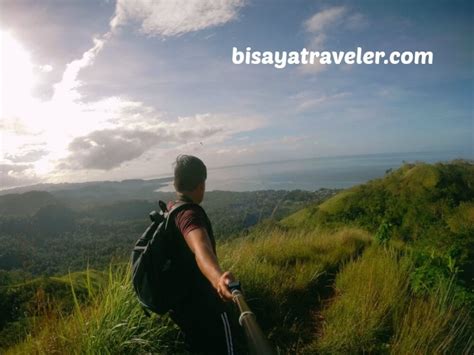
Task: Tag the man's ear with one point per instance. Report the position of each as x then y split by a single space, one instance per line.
202 186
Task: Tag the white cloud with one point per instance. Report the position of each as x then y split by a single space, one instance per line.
321 24
46 68
109 148
77 137
321 20
173 18
28 153
318 41
308 100
12 175
65 90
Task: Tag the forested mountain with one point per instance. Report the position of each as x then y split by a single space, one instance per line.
44 233
25 204
82 194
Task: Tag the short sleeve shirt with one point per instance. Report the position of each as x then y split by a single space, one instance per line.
190 218
200 293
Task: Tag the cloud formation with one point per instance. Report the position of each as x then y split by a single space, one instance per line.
27 154
309 100
174 18
107 149
324 23
17 174
321 20
66 89
68 136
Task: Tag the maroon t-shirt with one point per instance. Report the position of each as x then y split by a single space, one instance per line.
199 291
190 218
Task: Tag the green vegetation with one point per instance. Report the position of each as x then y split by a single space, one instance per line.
284 272
434 324
111 322
375 311
54 233
382 268
368 292
430 207
41 298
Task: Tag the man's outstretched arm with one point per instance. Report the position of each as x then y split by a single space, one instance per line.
200 244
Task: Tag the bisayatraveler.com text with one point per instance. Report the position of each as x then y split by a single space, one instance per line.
281 59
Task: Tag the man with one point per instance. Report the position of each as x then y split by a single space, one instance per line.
200 313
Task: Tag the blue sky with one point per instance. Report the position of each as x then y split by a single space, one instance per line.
159 81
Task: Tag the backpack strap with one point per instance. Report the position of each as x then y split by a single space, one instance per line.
178 206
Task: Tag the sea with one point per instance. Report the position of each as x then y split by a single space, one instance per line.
315 173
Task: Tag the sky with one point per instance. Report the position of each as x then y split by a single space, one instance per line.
112 90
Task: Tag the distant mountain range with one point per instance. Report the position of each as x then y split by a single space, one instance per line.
82 193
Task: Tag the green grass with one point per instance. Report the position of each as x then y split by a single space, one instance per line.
421 176
289 282
312 292
337 202
282 274
89 279
374 311
111 323
434 325
308 218
368 292
41 298
285 273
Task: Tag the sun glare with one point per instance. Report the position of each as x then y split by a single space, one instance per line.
28 120
17 77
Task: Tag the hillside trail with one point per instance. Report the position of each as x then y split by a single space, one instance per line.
312 301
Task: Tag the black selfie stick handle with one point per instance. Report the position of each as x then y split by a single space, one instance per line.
258 343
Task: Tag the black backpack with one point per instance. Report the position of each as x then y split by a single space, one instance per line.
153 273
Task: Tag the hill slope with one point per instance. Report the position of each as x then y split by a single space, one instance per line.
429 206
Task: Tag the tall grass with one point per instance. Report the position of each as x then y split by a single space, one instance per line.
111 323
282 261
368 294
364 302
282 274
374 311
286 273
434 325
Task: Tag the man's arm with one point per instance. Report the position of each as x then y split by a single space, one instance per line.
200 244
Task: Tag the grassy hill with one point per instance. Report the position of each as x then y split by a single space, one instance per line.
430 207
416 199
382 268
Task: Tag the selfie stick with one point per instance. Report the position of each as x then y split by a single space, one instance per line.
258 343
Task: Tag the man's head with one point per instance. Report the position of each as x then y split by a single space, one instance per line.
190 175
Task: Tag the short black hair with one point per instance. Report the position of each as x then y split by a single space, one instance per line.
189 172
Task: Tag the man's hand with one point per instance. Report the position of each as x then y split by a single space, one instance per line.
223 288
